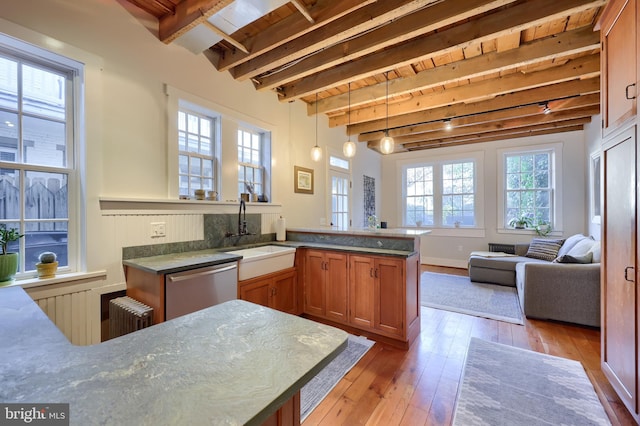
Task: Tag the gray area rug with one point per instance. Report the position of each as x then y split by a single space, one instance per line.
504 385
459 294
319 387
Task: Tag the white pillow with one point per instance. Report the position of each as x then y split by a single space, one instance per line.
570 242
581 248
595 252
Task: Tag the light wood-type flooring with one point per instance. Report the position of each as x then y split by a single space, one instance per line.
419 386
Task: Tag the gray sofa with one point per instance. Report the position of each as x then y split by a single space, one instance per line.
549 289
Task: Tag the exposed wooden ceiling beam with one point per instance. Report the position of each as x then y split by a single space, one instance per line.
511 100
488 117
584 67
303 10
323 11
486 28
400 30
225 36
570 126
568 43
348 26
188 14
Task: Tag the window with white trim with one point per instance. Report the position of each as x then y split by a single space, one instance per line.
252 161
440 194
196 152
529 186
39 117
340 190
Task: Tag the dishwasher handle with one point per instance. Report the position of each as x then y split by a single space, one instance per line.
177 278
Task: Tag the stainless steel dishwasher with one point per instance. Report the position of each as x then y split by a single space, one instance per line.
196 289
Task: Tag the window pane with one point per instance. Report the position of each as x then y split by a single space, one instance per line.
43 92
46 195
8 136
8 83
528 187
10 190
42 236
44 142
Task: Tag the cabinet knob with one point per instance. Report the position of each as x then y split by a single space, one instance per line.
626 273
626 91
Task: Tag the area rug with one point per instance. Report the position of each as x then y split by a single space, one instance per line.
505 385
319 387
459 294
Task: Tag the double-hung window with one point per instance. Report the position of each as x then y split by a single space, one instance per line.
252 152
441 193
529 189
196 151
37 166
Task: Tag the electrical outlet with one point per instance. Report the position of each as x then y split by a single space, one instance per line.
158 229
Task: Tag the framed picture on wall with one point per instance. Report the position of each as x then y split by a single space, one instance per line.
302 180
595 171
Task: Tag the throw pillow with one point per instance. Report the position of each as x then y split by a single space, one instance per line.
595 252
574 259
582 247
569 243
544 249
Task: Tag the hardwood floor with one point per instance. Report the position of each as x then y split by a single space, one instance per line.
419 386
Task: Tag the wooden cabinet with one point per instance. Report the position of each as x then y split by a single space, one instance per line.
376 293
619 58
277 290
619 276
325 284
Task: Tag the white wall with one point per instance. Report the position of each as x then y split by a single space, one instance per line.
127 69
451 247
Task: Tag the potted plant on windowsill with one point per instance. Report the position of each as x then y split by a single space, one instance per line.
48 265
521 222
8 261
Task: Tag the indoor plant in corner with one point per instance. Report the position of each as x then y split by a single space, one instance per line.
8 261
48 265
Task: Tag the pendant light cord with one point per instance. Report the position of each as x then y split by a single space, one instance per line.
316 118
349 114
387 78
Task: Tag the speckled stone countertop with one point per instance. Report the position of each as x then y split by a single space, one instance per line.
349 249
178 262
385 232
231 364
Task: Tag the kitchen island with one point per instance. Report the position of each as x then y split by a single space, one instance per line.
234 363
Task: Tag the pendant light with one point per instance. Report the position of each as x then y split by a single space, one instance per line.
316 151
349 147
387 142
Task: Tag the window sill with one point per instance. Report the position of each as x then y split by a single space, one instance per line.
58 279
111 206
456 232
530 232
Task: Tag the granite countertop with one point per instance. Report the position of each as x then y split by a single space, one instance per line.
232 364
383 232
349 249
178 262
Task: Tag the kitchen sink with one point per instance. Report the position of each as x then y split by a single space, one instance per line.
263 260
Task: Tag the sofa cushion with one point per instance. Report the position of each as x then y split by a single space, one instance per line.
570 242
582 247
595 252
507 263
544 248
567 258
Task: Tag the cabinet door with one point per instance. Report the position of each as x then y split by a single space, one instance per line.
619 58
283 292
336 286
361 291
389 295
257 291
619 288
314 284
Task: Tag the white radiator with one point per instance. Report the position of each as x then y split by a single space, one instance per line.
127 315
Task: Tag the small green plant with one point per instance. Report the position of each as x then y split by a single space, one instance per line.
521 222
543 229
47 257
7 236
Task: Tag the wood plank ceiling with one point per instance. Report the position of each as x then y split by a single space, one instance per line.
459 71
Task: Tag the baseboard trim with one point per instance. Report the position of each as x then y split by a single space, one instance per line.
437 261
